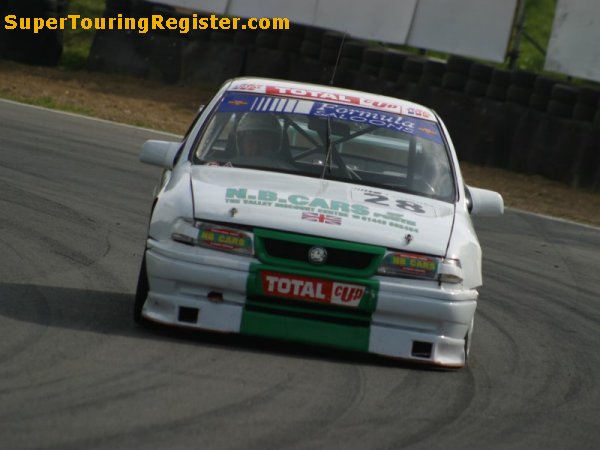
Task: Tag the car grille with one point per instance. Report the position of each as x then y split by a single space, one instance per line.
337 257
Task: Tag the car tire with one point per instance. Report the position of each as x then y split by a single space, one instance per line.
476 88
518 95
481 72
459 65
141 294
454 81
468 340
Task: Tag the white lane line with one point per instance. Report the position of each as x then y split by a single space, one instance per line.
95 119
555 219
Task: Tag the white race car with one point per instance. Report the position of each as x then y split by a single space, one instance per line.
318 215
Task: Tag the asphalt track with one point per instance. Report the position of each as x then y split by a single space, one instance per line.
76 373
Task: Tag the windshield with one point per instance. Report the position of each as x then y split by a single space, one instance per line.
327 140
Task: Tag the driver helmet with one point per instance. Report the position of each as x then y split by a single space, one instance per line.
259 135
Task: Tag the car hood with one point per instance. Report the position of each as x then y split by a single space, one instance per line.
319 207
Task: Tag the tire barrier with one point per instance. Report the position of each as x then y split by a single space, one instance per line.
516 120
43 48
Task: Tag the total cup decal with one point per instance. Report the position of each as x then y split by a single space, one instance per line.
311 289
388 217
348 99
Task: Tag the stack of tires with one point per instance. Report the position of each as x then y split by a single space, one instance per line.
542 87
457 73
391 68
587 171
479 79
155 55
273 51
306 65
521 87
44 48
412 70
212 56
368 71
348 64
329 53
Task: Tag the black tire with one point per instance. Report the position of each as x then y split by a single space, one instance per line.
589 96
408 78
430 80
413 66
495 92
519 95
596 120
373 56
560 109
349 63
394 59
543 86
435 68
244 37
538 102
141 294
328 56
476 88
583 112
454 81
309 48
501 77
296 30
389 74
333 40
523 78
221 36
353 50
459 64
265 39
369 69
468 340
290 44
481 72
564 94
314 34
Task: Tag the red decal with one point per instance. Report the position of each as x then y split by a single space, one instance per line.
311 289
322 218
318 95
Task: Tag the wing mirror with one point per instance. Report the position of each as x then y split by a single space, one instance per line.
484 203
160 153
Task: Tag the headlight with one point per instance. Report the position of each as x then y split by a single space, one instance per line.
451 271
413 265
213 236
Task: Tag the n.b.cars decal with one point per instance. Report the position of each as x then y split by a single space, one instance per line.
391 217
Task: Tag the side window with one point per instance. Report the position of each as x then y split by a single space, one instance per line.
216 139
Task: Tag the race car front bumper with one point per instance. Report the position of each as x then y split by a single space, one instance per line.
207 289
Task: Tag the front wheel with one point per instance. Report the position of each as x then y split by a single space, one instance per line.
141 294
468 339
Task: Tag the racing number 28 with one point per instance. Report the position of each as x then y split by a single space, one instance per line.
383 200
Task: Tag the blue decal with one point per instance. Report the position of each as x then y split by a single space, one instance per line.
236 102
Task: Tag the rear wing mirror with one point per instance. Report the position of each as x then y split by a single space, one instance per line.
484 203
160 153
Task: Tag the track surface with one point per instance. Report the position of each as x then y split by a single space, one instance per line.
76 373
